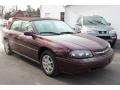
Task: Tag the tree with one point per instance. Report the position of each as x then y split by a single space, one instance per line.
16 7
34 12
2 10
29 10
38 11
7 15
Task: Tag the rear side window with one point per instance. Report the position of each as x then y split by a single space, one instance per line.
16 26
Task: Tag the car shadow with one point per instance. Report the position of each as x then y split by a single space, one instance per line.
37 65
87 78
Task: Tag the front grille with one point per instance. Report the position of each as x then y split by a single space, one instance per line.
104 37
102 32
101 51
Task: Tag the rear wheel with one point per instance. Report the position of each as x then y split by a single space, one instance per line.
7 47
49 63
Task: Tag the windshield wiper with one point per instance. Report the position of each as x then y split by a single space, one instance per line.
50 33
67 33
99 22
92 22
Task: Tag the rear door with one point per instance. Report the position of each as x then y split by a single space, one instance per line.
12 35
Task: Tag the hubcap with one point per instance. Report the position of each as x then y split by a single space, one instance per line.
48 64
6 45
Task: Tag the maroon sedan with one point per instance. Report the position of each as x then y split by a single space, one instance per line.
57 47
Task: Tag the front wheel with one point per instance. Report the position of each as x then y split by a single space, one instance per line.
49 64
7 47
113 43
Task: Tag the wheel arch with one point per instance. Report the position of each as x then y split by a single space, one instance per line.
42 49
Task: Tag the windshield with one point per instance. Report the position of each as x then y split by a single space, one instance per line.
52 27
94 20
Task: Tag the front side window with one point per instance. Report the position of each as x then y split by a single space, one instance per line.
52 27
16 25
26 26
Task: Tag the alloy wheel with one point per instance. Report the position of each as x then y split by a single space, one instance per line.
48 64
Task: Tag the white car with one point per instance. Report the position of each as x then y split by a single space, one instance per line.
96 26
3 23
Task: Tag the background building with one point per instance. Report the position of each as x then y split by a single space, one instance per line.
52 11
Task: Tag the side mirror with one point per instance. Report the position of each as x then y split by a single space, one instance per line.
29 33
73 28
109 24
78 31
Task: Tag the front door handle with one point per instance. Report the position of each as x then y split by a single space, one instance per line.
18 38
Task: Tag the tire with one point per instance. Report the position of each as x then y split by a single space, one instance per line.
49 64
113 43
7 47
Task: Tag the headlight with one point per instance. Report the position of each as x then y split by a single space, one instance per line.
81 54
112 32
91 31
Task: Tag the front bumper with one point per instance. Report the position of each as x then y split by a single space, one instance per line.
110 39
80 65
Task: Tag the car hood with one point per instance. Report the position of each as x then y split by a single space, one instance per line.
100 27
78 41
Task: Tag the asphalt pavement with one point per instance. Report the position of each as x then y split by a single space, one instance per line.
16 70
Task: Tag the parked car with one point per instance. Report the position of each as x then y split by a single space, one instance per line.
55 46
96 26
3 23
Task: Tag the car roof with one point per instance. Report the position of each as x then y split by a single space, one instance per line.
32 18
93 16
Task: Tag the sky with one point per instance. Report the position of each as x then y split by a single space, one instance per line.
33 3
37 3
21 3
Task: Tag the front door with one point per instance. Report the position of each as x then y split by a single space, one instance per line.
27 44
